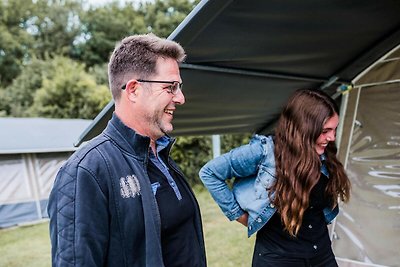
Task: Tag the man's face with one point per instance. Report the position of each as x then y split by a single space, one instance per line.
157 104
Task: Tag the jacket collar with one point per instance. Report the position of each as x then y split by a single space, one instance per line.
133 142
126 138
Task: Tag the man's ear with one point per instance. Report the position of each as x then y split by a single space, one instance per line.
131 89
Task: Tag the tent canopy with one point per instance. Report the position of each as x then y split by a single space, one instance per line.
246 57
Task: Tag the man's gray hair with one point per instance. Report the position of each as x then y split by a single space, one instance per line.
135 57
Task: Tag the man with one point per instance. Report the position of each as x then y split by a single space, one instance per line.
121 200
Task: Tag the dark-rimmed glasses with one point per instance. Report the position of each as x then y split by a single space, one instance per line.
172 88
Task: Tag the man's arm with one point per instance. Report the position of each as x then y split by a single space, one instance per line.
79 227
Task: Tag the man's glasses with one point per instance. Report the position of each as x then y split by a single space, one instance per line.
172 88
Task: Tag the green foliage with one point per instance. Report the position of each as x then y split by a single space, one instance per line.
18 97
192 152
56 88
34 33
163 16
54 25
69 93
3 103
15 40
35 29
99 72
230 141
102 27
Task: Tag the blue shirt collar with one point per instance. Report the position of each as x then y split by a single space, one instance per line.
324 169
162 143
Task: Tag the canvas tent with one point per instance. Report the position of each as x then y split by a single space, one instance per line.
31 152
368 227
246 57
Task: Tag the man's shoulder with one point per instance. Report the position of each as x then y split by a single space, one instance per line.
90 154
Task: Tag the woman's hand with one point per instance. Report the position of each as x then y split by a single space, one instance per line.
243 219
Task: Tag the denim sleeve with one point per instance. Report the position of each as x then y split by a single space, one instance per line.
239 162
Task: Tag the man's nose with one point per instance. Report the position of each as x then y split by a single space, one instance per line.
179 98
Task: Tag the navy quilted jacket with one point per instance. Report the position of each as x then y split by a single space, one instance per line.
102 210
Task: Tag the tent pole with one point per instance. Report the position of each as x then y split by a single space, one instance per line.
343 108
32 176
351 127
252 73
216 143
339 133
348 112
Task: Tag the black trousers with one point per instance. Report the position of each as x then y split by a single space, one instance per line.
266 259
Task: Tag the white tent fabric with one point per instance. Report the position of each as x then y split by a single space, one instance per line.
367 229
31 152
26 180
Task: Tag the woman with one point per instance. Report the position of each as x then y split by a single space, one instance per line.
286 187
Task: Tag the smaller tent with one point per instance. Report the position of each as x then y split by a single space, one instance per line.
31 152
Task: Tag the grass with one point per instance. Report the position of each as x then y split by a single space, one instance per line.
25 246
226 242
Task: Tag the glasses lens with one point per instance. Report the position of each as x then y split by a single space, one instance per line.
176 87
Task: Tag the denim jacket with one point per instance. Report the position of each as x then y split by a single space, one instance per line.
253 167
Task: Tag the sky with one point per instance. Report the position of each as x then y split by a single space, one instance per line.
101 2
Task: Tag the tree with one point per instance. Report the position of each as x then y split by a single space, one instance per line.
163 16
55 26
18 97
69 93
58 88
15 40
102 27
40 29
105 25
192 152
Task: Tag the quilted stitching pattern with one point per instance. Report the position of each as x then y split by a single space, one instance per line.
65 219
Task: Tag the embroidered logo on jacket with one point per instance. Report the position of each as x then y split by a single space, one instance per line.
130 186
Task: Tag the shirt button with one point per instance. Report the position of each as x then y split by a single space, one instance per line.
310 226
259 220
272 205
250 228
315 247
311 207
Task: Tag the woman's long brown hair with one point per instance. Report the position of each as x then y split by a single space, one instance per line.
297 163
